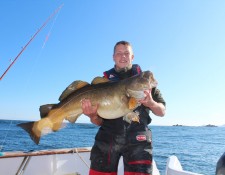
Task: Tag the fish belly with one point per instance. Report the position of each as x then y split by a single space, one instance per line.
112 108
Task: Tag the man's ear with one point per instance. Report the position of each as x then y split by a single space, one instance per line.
132 57
113 58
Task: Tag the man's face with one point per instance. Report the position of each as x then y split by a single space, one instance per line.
123 56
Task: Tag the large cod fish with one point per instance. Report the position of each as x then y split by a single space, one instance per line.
114 100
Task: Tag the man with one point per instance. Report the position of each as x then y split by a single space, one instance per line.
116 137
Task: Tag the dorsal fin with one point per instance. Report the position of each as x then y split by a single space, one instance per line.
71 88
98 80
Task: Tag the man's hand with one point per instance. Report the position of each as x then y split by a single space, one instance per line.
157 108
148 100
91 111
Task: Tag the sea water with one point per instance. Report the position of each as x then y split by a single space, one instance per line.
197 148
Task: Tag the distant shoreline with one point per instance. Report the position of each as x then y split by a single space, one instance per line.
180 125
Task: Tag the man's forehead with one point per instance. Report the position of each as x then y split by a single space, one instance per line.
122 47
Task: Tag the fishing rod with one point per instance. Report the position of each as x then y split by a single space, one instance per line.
44 24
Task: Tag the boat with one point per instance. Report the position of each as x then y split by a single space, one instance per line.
68 161
73 161
173 167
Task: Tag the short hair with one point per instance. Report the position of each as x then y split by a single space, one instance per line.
126 43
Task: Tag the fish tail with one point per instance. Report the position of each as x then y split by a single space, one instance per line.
28 127
45 109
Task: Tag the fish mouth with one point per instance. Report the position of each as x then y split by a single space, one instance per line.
137 94
153 84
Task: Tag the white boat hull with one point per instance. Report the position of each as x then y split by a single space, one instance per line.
73 161
52 162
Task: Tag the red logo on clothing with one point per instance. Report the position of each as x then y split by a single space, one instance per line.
141 138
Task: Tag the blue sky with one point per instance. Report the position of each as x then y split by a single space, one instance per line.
181 42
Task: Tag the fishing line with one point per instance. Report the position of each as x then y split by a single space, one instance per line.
36 60
48 35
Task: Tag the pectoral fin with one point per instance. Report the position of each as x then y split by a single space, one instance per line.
135 119
133 103
132 117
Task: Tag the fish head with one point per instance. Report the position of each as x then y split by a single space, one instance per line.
137 84
142 81
150 78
